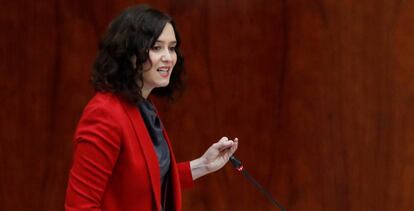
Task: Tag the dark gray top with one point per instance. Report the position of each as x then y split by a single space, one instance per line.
155 129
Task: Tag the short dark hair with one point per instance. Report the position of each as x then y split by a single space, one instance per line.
133 32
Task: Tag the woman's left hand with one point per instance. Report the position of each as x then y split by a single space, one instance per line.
216 156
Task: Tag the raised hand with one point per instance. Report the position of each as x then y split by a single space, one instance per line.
216 156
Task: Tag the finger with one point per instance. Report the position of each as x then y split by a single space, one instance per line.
235 142
234 147
223 139
230 151
223 145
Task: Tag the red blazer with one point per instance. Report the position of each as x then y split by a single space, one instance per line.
115 166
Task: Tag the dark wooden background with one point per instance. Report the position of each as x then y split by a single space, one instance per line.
320 94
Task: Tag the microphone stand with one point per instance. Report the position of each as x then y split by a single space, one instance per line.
239 167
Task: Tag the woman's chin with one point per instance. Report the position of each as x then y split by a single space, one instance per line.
165 83
160 85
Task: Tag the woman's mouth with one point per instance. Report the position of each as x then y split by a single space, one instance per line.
164 72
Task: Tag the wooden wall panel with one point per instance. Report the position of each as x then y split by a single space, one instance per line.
233 50
27 86
320 94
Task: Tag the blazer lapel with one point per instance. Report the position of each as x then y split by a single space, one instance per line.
176 189
147 148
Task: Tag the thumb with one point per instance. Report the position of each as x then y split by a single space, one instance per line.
224 143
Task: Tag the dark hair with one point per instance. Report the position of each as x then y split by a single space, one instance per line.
133 32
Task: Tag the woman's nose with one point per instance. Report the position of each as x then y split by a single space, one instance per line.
166 55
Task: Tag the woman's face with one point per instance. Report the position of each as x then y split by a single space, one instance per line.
162 58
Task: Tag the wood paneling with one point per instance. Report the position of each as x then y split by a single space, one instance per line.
320 94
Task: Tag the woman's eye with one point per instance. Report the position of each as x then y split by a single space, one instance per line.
172 48
156 48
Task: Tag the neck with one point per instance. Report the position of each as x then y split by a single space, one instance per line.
145 92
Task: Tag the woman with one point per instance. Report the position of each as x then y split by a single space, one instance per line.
123 158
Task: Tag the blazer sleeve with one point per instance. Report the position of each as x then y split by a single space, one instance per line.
184 172
97 146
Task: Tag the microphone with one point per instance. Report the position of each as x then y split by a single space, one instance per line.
237 164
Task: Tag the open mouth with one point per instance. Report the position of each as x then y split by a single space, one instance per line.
164 71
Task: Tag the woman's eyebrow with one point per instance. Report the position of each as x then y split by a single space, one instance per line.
162 42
